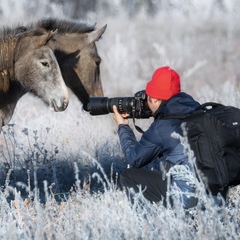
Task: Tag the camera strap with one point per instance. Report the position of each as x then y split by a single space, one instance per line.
137 127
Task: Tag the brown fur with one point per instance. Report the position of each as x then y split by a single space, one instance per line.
4 80
7 48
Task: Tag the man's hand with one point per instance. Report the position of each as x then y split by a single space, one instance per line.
120 118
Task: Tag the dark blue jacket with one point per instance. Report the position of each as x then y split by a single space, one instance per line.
157 141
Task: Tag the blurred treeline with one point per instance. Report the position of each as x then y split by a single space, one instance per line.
97 9
81 8
76 8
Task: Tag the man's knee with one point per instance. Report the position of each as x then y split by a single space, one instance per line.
129 178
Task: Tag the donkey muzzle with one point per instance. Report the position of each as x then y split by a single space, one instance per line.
61 106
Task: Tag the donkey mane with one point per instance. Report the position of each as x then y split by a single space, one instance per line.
65 26
49 24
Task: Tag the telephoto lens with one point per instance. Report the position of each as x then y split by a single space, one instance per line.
104 105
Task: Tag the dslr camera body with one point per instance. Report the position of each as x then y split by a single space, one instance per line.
136 106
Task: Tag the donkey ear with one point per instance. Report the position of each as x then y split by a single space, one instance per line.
95 35
43 40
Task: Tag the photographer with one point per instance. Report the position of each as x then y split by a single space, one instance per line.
164 97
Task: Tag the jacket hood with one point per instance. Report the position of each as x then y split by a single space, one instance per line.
180 103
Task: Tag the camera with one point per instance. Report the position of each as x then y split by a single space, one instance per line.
136 106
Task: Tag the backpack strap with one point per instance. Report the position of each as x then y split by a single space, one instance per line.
206 105
200 109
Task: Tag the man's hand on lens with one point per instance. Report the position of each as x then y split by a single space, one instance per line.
120 118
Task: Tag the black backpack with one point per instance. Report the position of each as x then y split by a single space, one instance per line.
213 132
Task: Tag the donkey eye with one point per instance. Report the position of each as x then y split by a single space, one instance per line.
45 64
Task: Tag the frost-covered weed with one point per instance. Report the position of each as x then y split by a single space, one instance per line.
111 215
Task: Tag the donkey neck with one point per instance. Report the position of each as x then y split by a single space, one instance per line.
10 89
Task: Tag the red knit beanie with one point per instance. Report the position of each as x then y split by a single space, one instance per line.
164 84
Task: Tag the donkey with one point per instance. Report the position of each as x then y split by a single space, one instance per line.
28 64
77 55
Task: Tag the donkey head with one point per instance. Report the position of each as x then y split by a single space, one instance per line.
37 69
79 61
